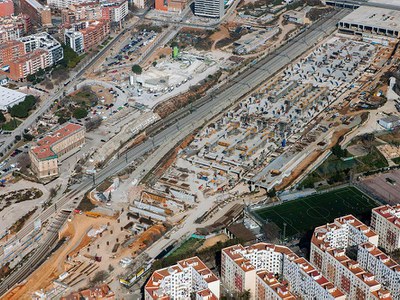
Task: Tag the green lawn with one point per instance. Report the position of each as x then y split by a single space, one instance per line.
190 245
309 212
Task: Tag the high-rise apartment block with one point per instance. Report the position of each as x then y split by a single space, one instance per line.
6 8
180 281
270 271
328 254
385 221
86 35
385 269
209 8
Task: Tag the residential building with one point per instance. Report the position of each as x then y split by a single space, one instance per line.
28 54
385 221
45 42
10 51
60 4
81 12
47 151
181 280
241 267
114 10
38 13
13 27
342 233
209 8
74 39
6 8
9 98
86 35
328 254
385 269
27 64
268 287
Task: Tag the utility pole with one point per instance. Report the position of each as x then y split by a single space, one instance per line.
284 231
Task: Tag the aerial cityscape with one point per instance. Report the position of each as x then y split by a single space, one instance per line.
200 149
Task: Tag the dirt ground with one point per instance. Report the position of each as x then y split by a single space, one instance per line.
167 51
213 240
109 98
219 35
54 266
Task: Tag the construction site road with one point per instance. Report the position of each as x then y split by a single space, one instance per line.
188 119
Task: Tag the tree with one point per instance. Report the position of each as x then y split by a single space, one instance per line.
62 120
80 113
27 137
137 69
154 63
2 117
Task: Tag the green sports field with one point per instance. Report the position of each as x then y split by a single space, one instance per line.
309 212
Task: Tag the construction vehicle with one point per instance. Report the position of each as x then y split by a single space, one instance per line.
92 214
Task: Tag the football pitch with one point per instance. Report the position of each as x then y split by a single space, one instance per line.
306 213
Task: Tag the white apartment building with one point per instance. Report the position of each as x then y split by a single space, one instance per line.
351 278
385 269
385 221
328 246
74 39
46 42
209 8
342 233
240 267
179 281
269 287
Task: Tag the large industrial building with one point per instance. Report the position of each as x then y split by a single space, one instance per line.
372 22
9 98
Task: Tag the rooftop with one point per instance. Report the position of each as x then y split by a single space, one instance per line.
390 213
44 150
8 96
376 17
155 287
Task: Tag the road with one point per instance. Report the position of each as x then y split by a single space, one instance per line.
182 122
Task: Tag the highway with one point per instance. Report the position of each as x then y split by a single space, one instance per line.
185 120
